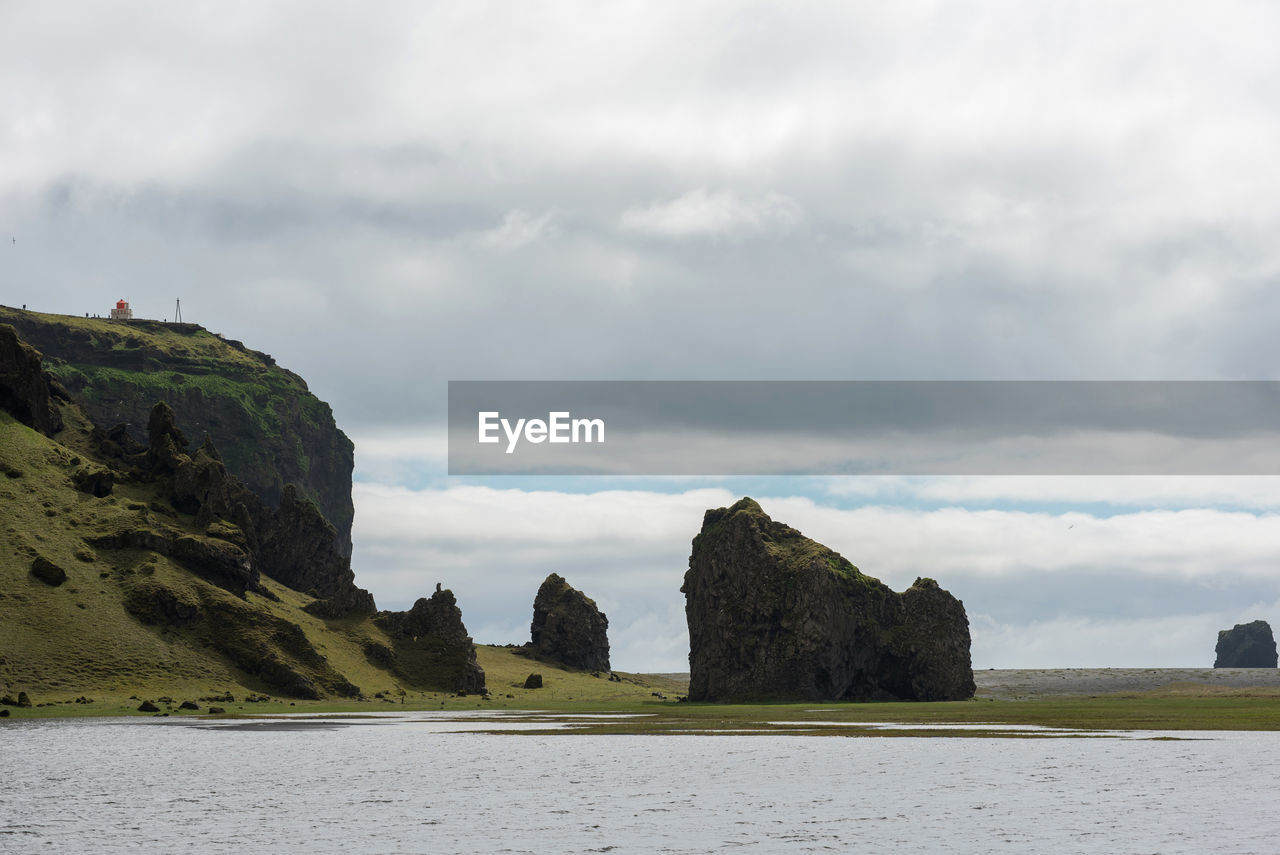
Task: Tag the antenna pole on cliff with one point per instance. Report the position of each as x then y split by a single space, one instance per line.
177 312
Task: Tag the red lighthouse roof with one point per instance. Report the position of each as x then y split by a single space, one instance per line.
120 304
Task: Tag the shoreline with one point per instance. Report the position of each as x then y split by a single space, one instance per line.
1087 698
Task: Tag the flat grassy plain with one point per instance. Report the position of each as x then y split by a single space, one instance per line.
637 709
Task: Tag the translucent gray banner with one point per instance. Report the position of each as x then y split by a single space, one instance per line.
864 427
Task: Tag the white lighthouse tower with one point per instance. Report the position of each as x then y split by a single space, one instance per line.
121 312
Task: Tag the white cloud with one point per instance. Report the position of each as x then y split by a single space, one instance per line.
721 214
517 229
1191 491
629 550
1003 190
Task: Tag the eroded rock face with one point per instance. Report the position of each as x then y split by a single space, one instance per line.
293 544
25 390
568 628
1246 645
775 615
432 648
271 429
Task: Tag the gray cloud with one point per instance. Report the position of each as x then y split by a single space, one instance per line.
389 197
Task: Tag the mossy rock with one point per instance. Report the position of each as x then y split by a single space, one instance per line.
774 615
48 572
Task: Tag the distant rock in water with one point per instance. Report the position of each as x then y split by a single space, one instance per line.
775 615
1246 645
568 628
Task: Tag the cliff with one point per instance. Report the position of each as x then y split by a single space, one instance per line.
774 615
148 564
270 429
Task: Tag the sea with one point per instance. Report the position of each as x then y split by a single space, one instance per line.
450 783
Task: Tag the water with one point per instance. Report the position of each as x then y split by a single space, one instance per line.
384 785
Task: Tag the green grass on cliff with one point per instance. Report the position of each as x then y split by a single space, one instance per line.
80 636
81 639
188 346
124 368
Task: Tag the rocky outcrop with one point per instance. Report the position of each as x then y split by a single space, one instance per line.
431 647
263 645
568 628
298 546
293 543
25 391
775 615
269 426
215 560
98 483
48 572
1246 645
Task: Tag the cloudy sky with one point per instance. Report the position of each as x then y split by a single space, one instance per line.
390 196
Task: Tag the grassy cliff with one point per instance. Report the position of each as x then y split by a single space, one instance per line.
269 428
128 567
134 619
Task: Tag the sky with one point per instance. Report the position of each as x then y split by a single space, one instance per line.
390 196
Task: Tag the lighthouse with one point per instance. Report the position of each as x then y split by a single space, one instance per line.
121 312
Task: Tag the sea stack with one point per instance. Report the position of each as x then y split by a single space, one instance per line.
432 648
774 615
568 628
1246 645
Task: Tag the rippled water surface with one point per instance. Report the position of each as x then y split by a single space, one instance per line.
387 785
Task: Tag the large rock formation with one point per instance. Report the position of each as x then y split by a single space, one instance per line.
270 428
293 543
568 628
432 648
25 389
1246 645
172 538
775 615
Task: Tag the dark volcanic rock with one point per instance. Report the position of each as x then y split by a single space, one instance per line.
293 544
568 628
775 615
217 561
25 391
96 482
432 648
1246 645
148 706
48 572
533 681
166 441
300 548
271 429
